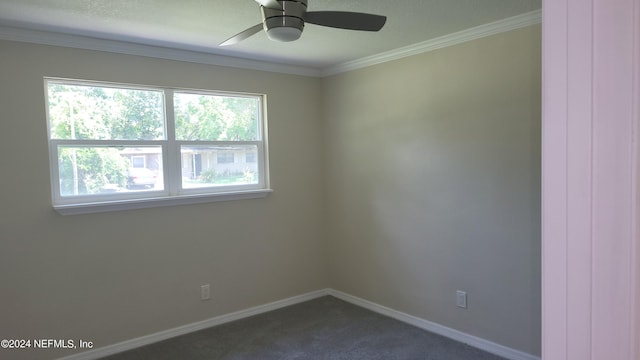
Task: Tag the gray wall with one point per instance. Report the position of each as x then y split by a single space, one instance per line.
433 185
115 276
399 183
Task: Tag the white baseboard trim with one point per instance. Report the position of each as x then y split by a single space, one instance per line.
471 340
189 328
459 336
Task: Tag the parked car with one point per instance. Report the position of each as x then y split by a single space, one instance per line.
141 178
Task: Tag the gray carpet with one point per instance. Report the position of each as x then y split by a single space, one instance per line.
326 328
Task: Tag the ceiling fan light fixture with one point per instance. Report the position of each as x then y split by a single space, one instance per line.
283 28
284 33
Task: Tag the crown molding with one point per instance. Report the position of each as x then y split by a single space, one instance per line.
161 52
200 57
504 25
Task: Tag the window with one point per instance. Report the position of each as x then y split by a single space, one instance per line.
113 146
225 157
138 161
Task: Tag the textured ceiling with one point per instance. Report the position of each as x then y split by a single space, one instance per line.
202 24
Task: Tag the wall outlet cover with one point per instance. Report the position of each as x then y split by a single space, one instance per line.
461 299
205 292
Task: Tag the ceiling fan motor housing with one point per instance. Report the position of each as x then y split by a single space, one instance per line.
286 24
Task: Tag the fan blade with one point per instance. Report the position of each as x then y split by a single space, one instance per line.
243 35
270 4
346 20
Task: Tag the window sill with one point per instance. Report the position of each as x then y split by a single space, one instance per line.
120 205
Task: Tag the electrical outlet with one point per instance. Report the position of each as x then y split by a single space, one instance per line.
461 299
205 292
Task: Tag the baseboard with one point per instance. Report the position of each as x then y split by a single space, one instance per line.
470 340
189 328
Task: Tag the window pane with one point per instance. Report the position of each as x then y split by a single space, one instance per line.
103 113
216 118
207 166
102 170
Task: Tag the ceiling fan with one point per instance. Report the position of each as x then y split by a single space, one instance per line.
283 20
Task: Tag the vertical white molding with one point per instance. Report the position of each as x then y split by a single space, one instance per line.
635 278
579 176
554 179
590 201
612 298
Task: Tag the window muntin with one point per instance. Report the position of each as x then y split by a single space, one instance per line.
111 142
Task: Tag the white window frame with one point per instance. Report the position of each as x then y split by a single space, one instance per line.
173 192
